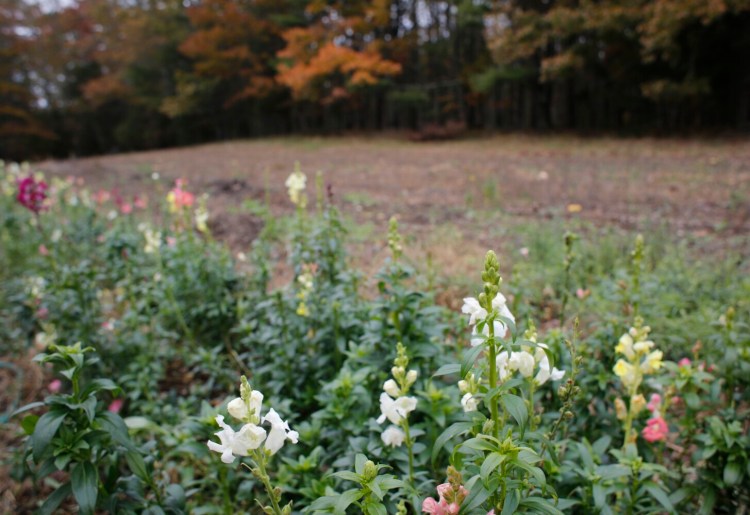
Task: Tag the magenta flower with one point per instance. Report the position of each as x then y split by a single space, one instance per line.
684 362
32 194
656 430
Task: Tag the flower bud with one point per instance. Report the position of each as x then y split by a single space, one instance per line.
370 471
620 409
463 386
637 403
411 377
238 409
398 372
391 388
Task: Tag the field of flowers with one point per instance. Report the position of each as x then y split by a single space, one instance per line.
155 371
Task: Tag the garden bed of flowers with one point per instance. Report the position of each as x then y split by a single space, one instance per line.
602 375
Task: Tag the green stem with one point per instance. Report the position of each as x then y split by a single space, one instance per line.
409 443
493 378
532 424
260 460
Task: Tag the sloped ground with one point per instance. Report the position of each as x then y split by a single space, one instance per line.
453 195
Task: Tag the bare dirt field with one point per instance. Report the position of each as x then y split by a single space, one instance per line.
450 196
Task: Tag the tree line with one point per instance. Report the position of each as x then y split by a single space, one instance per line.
99 76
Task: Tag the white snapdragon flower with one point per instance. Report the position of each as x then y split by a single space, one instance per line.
472 308
201 219
391 388
545 373
393 436
469 402
296 184
411 377
238 409
643 347
503 365
153 240
238 443
279 432
477 313
523 362
395 410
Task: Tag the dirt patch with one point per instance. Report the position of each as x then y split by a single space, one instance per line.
698 188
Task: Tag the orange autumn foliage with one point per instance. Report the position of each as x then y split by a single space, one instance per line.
353 68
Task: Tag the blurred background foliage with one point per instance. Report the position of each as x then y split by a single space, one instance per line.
98 76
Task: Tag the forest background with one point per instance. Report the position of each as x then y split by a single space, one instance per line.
103 76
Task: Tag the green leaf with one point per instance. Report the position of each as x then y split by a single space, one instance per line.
84 479
540 505
29 423
374 508
89 407
44 431
137 423
98 385
709 499
451 431
375 489
175 498
470 356
137 465
600 496
661 496
346 499
53 501
490 464
510 506
28 407
536 472
115 426
477 495
516 407
606 472
479 444
348 475
447 370
732 473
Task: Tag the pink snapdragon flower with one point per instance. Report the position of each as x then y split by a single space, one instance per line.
654 403
101 196
684 362
178 198
441 507
126 208
115 406
656 430
140 202
43 250
54 386
32 194
448 502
